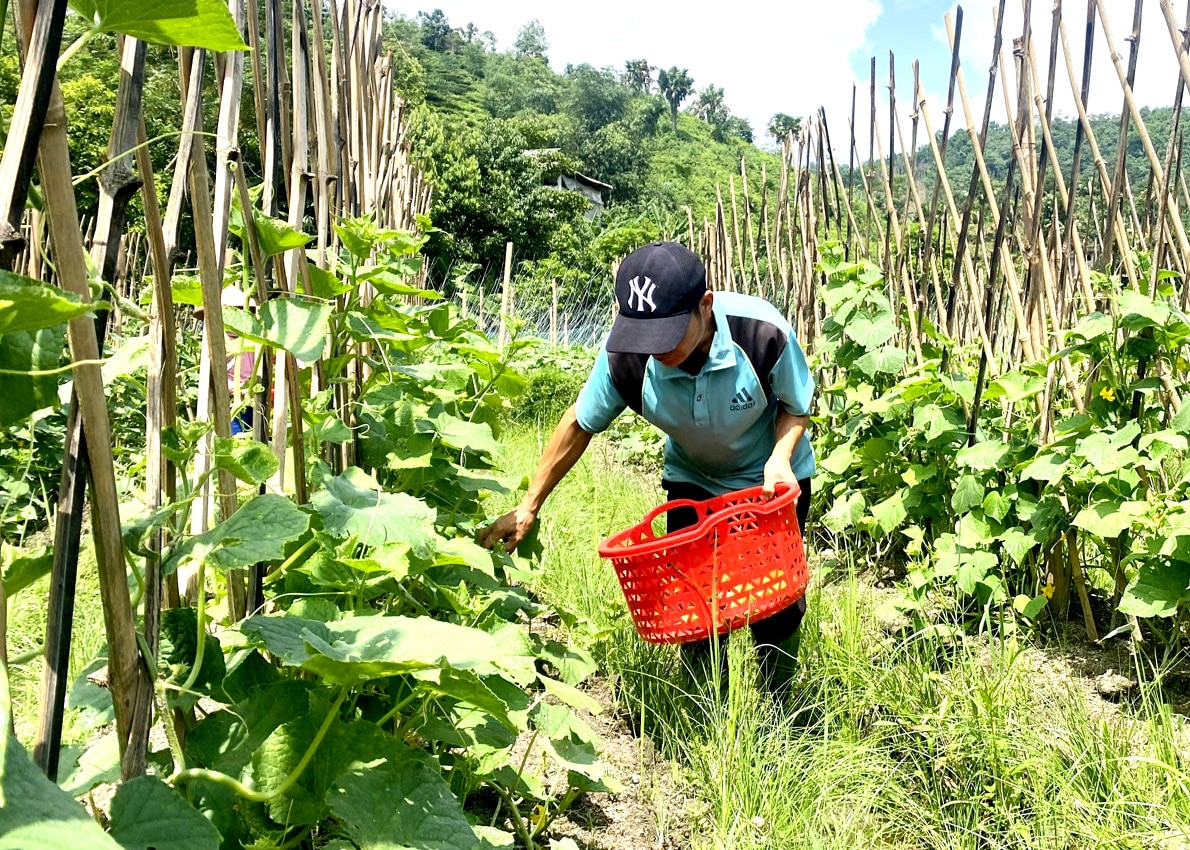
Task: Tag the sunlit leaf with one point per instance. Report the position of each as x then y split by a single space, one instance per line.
361 648
258 532
185 23
353 504
401 806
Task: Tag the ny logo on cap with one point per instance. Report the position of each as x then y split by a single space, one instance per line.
643 293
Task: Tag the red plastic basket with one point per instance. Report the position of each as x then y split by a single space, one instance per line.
743 561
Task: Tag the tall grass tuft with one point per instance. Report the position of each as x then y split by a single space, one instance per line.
908 740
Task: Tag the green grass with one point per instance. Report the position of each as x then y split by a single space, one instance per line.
26 633
890 741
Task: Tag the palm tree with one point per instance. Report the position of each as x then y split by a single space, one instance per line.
675 85
709 106
638 74
782 125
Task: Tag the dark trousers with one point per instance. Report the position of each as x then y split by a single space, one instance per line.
773 635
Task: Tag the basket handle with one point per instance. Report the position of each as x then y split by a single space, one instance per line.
667 507
763 507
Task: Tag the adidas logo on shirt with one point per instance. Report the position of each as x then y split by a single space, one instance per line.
742 401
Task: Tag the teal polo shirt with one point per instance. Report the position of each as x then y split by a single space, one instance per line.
721 423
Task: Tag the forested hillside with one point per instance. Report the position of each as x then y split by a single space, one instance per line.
661 140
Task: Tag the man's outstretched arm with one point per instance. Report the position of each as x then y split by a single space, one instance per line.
565 447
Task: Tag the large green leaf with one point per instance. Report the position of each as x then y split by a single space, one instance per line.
968 494
298 326
28 305
1047 466
246 459
353 504
345 745
179 649
258 532
460 434
36 814
1014 387
292 324
276 236
149 815
846 511
1157 590
26 352
402 806
982 456
870 332
890 513
226 740
27 568
185 23
887 360
1107 520
355 650
464 686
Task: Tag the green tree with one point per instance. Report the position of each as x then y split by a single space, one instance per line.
595 98
676 84
638 75
782 125
710 107
530 41
435 29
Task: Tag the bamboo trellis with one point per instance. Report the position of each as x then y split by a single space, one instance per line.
333 137
1008 268
1002 248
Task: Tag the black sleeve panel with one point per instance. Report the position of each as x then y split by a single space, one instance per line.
628 377
763 342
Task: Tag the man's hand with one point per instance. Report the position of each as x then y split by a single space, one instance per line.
778 471
509 529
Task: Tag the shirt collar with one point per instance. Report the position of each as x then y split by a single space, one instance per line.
722 354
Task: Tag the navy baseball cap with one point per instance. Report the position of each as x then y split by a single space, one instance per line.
657 288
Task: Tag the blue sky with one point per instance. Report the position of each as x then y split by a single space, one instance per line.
801 54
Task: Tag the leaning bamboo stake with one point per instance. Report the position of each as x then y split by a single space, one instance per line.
1172 152
505 297
131 686
213 330
1038 258
1142 131
1079 254
893 238
913 200
227 136
940 153
41 35
1097 157
1117 186
1013 287
757 280
161 387
117 185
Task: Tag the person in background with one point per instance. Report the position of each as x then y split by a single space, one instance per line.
724 377
241 363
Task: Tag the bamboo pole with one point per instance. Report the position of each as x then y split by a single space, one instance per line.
41 38
131 686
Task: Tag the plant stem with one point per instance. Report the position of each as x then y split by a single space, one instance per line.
79 44
518 823
200 650
44 373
